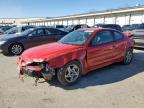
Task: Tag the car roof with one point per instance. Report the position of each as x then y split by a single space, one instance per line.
96 29
112 24
44 27
47 28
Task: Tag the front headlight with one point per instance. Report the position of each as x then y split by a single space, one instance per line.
2 42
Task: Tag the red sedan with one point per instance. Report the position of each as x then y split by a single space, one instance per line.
77 53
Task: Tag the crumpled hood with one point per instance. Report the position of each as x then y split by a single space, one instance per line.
48 51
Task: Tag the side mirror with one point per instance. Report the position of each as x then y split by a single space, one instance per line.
131 35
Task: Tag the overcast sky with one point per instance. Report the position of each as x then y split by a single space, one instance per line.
51 8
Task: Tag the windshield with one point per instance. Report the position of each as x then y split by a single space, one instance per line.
26 32
13 30
79 37
6 28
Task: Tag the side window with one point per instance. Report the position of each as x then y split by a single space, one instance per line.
102 37
34 33
54 31
118 36
40 32
47 32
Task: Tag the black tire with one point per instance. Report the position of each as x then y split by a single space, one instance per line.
128 56
16 49
63 73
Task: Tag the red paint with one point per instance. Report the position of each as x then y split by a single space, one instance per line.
57 54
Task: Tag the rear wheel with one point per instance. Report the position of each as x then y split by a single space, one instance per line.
16 49
128 56
70 73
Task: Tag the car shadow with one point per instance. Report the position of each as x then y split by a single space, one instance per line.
9 55
108 75
139 48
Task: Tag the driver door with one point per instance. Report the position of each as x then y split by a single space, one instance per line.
101 49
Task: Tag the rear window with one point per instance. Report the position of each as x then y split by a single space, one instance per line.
102 37
118 36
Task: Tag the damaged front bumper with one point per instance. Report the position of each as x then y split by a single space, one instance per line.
39 69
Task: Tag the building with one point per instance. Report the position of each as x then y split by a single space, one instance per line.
16 21
121 16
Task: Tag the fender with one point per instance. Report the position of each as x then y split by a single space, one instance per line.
62 60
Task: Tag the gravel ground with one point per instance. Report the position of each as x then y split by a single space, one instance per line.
115 86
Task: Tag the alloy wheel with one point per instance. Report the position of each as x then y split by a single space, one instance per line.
72 73
16 49
128 57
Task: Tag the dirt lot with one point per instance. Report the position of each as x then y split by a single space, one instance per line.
115 86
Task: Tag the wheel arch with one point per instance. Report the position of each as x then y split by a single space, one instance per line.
16 43
76 60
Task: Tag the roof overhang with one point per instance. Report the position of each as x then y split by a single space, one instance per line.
99 13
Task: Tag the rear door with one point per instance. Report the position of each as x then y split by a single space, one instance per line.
101 49
119 44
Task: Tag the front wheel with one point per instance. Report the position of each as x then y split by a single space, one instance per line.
128 56
70 73
16 49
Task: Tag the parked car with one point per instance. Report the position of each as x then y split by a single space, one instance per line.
16 43
5 28
114 26
138 36
61 27
126 27
18 29
134 26
77 53
131 27
71 28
